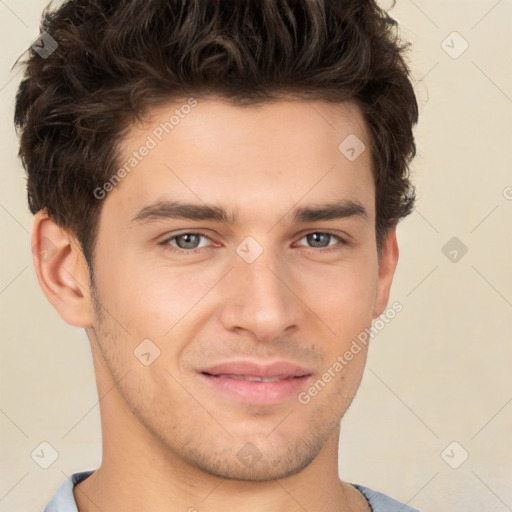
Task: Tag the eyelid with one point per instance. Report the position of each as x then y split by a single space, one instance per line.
342 242
330 248
167 240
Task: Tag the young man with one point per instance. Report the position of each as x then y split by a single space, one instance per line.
216 187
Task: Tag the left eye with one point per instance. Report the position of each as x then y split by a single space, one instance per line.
319 239
186 240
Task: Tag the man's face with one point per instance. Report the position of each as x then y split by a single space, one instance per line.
260 287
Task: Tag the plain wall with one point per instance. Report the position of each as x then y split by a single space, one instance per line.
439 372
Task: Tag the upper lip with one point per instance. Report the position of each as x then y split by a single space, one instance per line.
282 369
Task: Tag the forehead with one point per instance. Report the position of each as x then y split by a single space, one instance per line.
211 151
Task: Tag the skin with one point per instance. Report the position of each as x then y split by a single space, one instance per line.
169 438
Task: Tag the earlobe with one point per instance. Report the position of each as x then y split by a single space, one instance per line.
387 266
62 271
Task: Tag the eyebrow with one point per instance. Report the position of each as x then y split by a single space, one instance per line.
311 213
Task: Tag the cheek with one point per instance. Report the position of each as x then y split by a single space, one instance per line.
144 296
342 295
168 306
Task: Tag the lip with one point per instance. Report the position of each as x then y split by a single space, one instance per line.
282 369
293 379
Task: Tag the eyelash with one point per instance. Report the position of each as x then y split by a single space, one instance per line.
172 248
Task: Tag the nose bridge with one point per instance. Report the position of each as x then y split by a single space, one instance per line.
264 278
259 297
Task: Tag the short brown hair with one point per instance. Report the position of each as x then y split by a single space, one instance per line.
115 60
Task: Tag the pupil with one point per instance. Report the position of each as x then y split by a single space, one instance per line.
188 244
316 238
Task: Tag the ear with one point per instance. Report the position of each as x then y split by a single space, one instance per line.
387 265
62 271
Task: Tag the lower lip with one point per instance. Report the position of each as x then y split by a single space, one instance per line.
255 392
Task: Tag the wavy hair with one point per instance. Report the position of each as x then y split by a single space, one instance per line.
117 59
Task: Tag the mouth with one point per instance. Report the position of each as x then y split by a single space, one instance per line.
256 389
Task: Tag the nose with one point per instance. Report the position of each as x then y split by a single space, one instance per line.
260 298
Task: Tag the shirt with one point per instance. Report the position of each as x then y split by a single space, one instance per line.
64 501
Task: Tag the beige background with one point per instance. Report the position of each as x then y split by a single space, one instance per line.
439 372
